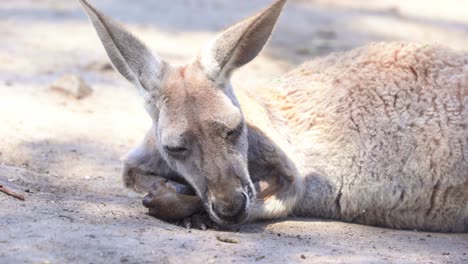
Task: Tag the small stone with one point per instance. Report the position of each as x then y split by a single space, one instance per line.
326 34
395 11
445 253
303 257
72 85
259 258
227 239
99 66
303 51
123 260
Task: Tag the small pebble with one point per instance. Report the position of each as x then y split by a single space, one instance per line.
99 66
72 85
259 258
227 239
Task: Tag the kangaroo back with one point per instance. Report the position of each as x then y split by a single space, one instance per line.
384 133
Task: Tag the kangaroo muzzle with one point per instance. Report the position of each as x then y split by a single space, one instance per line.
231 209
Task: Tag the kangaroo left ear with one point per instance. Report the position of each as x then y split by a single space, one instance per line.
239 44
128 54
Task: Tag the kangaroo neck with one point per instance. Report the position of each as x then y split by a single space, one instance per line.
263 111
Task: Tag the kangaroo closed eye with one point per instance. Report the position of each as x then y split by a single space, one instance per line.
175 148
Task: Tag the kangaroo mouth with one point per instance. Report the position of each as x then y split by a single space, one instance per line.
233 217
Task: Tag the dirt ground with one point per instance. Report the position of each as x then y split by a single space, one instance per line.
63 154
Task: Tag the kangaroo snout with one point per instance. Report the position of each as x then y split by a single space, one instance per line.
231 209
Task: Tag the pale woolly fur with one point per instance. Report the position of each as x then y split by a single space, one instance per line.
211 66
384 133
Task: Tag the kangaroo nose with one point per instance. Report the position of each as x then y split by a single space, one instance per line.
232 209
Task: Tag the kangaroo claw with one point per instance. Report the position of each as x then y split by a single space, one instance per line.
200 221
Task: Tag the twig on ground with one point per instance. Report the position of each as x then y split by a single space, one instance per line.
227 239
11 193
67 217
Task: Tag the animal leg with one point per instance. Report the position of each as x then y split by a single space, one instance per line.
171 201
143 163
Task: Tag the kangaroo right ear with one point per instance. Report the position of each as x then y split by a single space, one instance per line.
128 54
239 44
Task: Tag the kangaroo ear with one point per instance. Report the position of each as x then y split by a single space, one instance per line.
239 44
128 54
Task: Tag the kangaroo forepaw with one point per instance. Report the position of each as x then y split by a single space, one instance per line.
169 201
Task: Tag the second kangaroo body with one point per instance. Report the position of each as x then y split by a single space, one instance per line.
377 135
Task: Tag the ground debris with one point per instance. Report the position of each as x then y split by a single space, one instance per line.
227 239
99 66
72 85
11 193
66 217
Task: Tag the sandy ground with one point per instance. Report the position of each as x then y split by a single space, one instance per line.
63 154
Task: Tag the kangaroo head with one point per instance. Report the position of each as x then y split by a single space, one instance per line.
199 126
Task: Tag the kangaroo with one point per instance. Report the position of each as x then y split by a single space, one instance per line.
376 136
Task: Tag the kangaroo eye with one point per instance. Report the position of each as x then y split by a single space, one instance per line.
230 132
175 149
234 132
